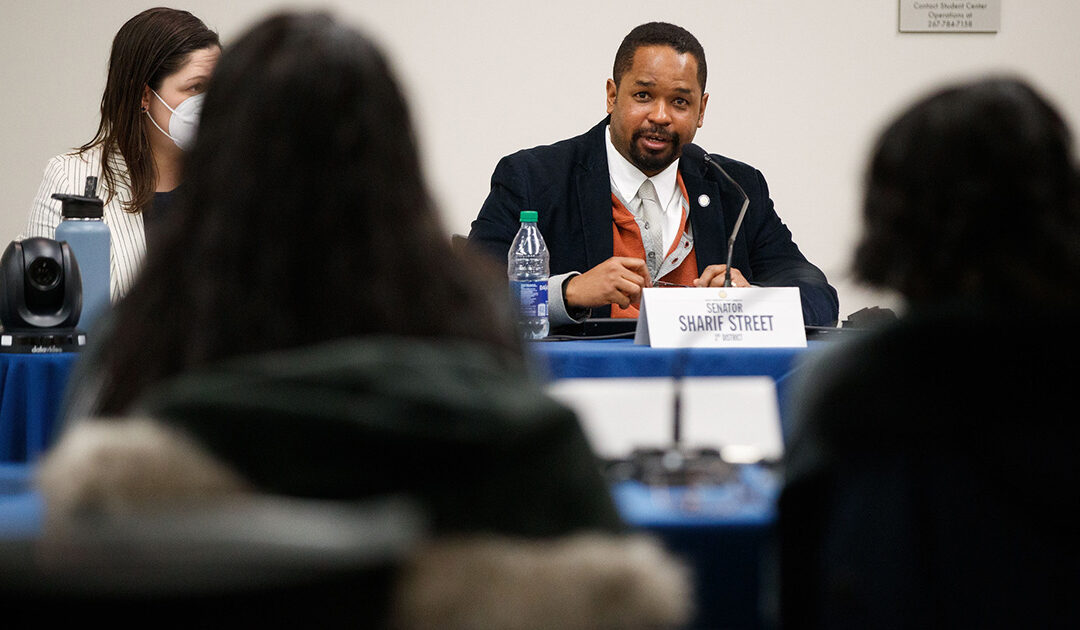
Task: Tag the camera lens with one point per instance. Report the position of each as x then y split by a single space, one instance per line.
44 274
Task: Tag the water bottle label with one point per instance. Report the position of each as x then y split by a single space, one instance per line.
532 297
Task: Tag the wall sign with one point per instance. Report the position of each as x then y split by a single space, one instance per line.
950 16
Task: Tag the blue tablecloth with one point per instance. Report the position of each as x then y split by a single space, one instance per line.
21 509
31 390
620 357
722 533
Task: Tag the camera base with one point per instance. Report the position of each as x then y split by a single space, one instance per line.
44 341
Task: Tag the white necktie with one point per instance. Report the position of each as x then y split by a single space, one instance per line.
652 234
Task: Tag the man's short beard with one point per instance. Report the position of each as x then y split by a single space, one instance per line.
648 162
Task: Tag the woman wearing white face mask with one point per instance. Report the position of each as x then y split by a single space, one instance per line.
160 64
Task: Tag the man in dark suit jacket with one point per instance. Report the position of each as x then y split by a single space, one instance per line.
656 102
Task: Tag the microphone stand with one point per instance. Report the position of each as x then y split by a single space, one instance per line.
674 461
738 221
679 467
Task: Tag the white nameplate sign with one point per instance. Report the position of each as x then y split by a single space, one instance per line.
950 16
754 317
619 415
739 415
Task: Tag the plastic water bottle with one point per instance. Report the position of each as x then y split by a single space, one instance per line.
84 229
527 267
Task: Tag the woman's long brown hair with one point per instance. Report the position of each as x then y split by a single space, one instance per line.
147 48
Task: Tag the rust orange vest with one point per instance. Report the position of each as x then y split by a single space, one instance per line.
626 236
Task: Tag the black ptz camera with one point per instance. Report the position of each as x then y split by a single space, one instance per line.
40 297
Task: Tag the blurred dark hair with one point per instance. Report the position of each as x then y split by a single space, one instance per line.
147 48
658 34
974 189
303 217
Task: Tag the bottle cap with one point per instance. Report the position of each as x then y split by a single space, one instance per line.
86 206
528 216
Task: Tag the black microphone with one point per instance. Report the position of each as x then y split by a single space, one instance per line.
738 221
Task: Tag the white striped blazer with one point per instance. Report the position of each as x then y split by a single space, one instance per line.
67 173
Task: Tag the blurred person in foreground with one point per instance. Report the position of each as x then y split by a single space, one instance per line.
931 464
305 329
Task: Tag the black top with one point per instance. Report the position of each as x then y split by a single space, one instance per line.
930 472
154 216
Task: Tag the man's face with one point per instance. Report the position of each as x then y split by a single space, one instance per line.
656 108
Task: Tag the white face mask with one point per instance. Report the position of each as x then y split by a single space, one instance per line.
184 121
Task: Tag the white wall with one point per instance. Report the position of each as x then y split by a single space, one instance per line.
799 87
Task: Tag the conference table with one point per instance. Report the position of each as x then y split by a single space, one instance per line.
622 357
601 358
32 385
722 530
